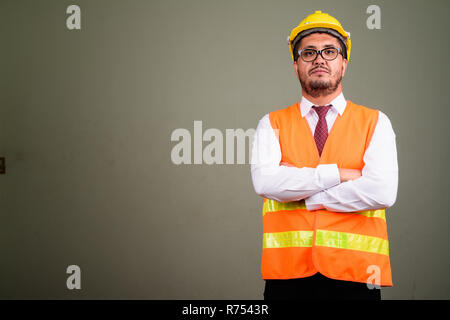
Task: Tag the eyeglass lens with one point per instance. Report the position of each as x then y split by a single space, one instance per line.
327 54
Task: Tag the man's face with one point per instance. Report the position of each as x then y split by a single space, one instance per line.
320 77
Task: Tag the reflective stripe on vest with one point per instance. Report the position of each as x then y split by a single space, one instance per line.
288 239
271 206
325 238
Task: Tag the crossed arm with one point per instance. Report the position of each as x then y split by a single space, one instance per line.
327 186
344 174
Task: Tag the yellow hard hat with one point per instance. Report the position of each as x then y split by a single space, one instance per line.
324 21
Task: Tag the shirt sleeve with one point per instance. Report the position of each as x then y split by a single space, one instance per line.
377 186
282 183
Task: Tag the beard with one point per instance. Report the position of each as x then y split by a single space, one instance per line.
318 88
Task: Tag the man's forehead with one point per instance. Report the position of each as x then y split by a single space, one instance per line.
319 40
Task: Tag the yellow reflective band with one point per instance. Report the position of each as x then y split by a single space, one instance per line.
380 213
274 206
352 241
288 239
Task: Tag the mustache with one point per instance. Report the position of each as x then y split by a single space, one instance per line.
321 68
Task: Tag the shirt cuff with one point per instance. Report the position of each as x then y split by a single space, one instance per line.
314 202
328 175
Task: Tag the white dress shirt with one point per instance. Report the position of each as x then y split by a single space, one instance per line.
321 186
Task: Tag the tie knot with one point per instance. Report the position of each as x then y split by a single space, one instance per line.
322 110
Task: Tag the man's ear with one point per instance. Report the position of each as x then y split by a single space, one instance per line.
344 66
296 69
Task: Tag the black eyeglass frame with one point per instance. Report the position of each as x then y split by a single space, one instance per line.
319 52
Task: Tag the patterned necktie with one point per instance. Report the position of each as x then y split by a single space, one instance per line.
321 132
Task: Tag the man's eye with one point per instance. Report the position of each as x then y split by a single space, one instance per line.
308 53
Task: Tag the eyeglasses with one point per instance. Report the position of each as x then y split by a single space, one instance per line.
329 54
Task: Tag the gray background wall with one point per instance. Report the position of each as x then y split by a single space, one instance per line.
86 118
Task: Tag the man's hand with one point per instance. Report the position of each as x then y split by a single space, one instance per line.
349 174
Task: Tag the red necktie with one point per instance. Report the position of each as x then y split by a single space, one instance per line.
321 132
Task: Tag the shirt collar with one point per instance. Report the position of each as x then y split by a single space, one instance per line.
338 103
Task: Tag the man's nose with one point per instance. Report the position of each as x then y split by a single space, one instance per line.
319 59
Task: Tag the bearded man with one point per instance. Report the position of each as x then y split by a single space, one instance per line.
327 170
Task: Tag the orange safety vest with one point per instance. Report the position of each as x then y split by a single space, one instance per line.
298 243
